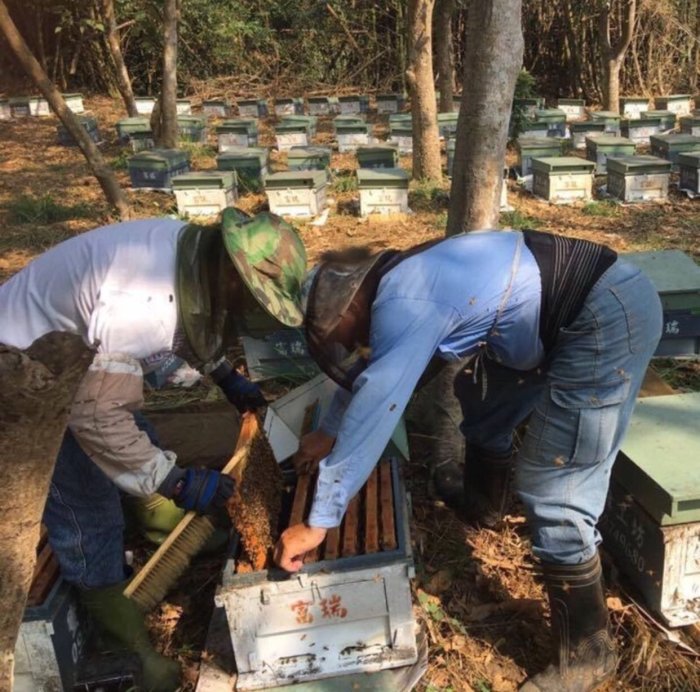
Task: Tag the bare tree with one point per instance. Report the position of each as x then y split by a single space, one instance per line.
419 75
167 103
101 171
121 73
444 53
614 51
492 59
36 389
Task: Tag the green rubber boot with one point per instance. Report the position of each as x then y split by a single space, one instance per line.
119 619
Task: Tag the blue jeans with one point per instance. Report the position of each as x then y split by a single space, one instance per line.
580 403
84 518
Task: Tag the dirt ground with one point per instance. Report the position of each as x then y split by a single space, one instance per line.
477 592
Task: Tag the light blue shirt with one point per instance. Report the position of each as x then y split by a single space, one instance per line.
443 301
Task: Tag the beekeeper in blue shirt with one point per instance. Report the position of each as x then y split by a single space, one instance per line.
554 328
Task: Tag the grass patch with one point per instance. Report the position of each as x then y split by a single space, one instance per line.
120 162
427 195
605 207
516 219
45 210
344 183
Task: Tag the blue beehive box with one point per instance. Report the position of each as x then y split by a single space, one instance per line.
155 168
88 123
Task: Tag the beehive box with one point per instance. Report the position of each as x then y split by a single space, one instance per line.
562 179
155 168
205 193
447 124
585 128
51 637
191 128
680 104
289 106
529 148
390 103
383 190
575 109
639 130
689 168
677 279
183 107
632 106
667 118
250 165
127 126
533 128
74 102
296 193
19 106
651 525
357 118
638 178
347 612
351 135
450 153
279 354
609 118
319 105
377 156
310 120
669 147
598 149
402 137
690 125
141 140
233 134
350 104
216 108
528 105
38 105
292 134
309 159
145 104
252 108
5 110
88 123
555 119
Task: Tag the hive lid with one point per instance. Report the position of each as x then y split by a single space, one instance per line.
215 102
249 102
550 144
247 125
571 102
349 98
605 115
636 165
563 164
658 462
535 126
351 128
145 98
202 180
671 271
191 120
158 158
587 126
689 158
389 97
550 115
646 121
310 120
402 129
675 140
289 126
675 97
608 141
318 99
634 99
244 154
345 119
307 179
309 152
131 122
657 114
382 177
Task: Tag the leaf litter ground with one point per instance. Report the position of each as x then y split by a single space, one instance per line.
477 592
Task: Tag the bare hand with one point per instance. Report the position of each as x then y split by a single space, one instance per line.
294 543
314 447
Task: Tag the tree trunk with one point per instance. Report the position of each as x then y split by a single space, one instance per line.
492 59
100 168
121 73
444 53
614 52
612 85
427 164
36 389
168 95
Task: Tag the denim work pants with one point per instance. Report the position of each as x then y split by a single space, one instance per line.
84 518
580 403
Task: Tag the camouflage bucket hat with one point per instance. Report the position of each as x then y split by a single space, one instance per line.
270 258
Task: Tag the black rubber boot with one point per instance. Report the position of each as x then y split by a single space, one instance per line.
486 486
119 620
585 649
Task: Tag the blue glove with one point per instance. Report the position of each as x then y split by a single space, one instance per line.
240 391
201 490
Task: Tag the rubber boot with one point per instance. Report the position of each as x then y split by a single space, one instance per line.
487 478
585 649
118 619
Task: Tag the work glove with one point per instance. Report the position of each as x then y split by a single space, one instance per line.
201 490
239 390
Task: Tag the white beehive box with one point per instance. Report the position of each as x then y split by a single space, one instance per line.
297 193
680 104
183 107
575 109
562 179
145 104
352 135
74 102
292 134
204 193
38 105
632 106
638 178
216 108
383 191
5 110
319 105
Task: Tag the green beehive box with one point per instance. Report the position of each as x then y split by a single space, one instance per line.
447 124
390 103
310 120
667 118
538 147
632 106
128 126
658 461
585 128
383 191
534 128
611 120
141 139
689 167
562 164
303 179
555 119
351 128
639 130
242 132
377 156
349 104
19 106
399 119
528 105
681 104
638 165
690 125
205 180
368 178
156 168
598 149
670 146
248 126
191 128
250 165
638 178
349 119
562 179
309 158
